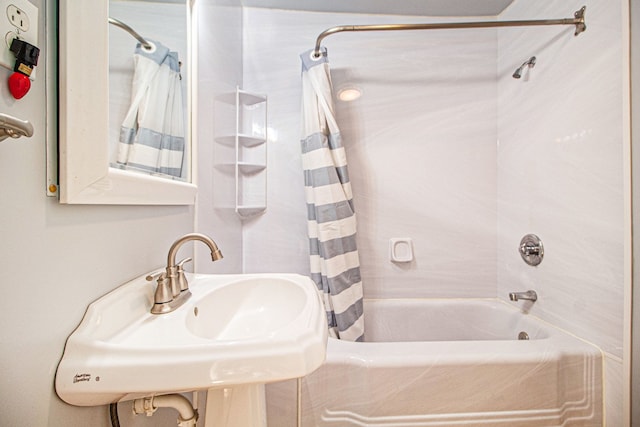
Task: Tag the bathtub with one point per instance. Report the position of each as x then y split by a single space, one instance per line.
453 363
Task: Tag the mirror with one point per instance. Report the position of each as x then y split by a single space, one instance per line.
91 114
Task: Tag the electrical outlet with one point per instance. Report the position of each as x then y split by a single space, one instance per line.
18 19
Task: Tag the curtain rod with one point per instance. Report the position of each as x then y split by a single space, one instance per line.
578 21
131 31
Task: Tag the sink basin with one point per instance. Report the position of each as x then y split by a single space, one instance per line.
234 330
250 309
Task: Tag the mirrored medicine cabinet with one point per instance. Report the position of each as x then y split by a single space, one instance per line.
87 171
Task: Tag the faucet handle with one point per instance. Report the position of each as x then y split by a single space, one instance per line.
181 264
181 280
531 249
156 275
162 295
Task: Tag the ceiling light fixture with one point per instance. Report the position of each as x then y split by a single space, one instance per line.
349 94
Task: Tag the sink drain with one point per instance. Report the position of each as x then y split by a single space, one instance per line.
523 336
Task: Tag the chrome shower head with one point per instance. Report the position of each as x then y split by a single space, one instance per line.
530 63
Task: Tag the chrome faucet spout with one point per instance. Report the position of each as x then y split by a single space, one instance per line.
528 296
173 250
175 273
173 288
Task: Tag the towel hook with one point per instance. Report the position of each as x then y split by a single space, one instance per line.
13 127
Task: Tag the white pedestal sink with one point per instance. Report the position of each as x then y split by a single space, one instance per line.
236 333
228 407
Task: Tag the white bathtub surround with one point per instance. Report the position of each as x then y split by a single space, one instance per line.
448 148
461 364
560 164
335 265
421 143
219 31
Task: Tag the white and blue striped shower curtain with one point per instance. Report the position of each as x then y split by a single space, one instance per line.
335 265
152 133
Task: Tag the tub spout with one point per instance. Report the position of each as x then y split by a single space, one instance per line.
528 295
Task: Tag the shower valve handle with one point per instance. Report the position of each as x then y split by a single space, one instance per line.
529 249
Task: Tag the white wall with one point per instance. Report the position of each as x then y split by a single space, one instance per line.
635 132
56 259
563 152
420 142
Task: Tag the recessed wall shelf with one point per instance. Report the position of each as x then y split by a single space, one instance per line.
243 153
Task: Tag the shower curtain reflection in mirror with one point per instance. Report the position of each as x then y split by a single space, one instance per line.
147 89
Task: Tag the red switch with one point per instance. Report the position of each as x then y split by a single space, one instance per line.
19 85
26 58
